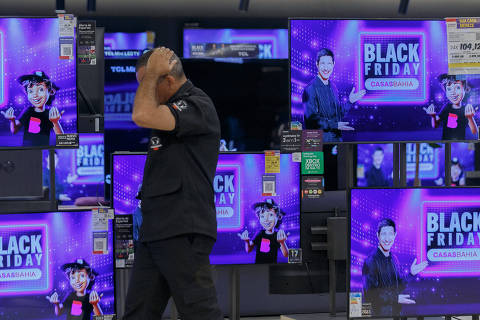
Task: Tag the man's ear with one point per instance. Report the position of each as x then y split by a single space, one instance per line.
171 80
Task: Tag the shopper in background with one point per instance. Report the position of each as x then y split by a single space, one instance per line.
179 219
375 175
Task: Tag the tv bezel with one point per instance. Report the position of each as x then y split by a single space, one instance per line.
75 40
126 153
290 19
349 249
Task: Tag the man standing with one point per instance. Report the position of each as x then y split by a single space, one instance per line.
179 220
322 107
375 175
383 279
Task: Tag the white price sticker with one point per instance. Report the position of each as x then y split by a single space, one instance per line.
463 35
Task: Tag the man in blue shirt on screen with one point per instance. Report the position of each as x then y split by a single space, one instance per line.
322 107
383 280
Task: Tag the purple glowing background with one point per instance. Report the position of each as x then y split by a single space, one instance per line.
125 41
127 176
384 120
278 38
69 237
249 169
432 161
436 290
80 172
40 285
30 45
120 88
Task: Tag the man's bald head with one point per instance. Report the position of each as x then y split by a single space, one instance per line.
177 70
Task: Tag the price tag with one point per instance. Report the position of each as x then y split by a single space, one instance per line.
463 35
355 304
269 186
272 161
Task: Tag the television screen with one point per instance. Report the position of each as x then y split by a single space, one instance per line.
38 96
47 257
79 172
379 80
252 118
120 88
239 202
121 134
235 43
122 45
414 252
375 164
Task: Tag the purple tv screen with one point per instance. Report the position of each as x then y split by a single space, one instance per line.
34 248
237 186
383 76
431 163
426 255
235 43
37 88
120 89
79 172
122 45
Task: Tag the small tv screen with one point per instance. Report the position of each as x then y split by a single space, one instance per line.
123 45
375 164
38 96
235 43
79 173
240 205
378 81
48 258
414 252
252 118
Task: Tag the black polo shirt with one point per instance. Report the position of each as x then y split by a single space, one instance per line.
177 189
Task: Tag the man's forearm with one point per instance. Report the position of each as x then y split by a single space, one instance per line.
473 125
146 97
57 127
284 249
14 126
97 310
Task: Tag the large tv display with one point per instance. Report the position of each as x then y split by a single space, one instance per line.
235 43
47 258
375 164
379 80
414 252
241 208
79 173
38 96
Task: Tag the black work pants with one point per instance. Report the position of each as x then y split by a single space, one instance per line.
177 267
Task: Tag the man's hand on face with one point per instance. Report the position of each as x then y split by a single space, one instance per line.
405 299
160 62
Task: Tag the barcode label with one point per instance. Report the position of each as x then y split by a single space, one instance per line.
269 187
66 50
100 242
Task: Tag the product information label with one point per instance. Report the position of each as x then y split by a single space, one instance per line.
463 35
